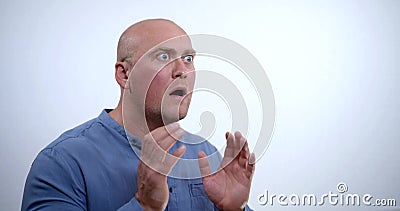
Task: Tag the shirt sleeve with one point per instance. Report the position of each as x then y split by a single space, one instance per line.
133 204
247 208
56 182
53 184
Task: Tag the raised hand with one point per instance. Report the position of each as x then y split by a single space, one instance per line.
229 188
155 163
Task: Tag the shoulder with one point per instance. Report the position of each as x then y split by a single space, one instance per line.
96 139
66 151
75 137
100 133
73 150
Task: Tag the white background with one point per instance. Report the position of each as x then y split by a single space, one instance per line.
334 67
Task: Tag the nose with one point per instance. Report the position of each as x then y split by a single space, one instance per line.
179 69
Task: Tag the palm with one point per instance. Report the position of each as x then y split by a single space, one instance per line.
229 188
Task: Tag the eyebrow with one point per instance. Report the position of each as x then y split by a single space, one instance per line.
171 51
189 51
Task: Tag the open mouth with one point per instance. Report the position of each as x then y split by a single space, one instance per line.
179 92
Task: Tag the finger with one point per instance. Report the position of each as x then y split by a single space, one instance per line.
244 155
151 154
160 150
148 146
162 132
162 162
229 150
170 140
173 158
230 145
251 165
204 165
179 152
245 152
237 143
151 139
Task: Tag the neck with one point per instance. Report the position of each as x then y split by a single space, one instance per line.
135 123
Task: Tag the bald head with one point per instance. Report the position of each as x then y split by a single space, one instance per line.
142 36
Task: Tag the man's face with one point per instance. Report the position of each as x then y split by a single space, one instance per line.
163 79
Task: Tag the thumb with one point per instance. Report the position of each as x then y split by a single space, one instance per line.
204 165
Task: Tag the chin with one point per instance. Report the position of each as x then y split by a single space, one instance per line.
170 117
168 120
175 113
182 116
183 110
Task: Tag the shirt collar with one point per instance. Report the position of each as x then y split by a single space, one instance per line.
104 117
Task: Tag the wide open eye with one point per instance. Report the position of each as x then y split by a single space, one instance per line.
188 58
163 57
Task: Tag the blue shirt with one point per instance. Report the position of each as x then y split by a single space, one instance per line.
93 167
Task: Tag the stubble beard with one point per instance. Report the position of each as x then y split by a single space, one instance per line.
156 118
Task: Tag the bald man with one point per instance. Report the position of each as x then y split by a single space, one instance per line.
124 158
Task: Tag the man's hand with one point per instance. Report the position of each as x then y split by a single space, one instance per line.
229 188
155 163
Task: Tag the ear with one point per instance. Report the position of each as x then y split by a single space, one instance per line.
121 74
